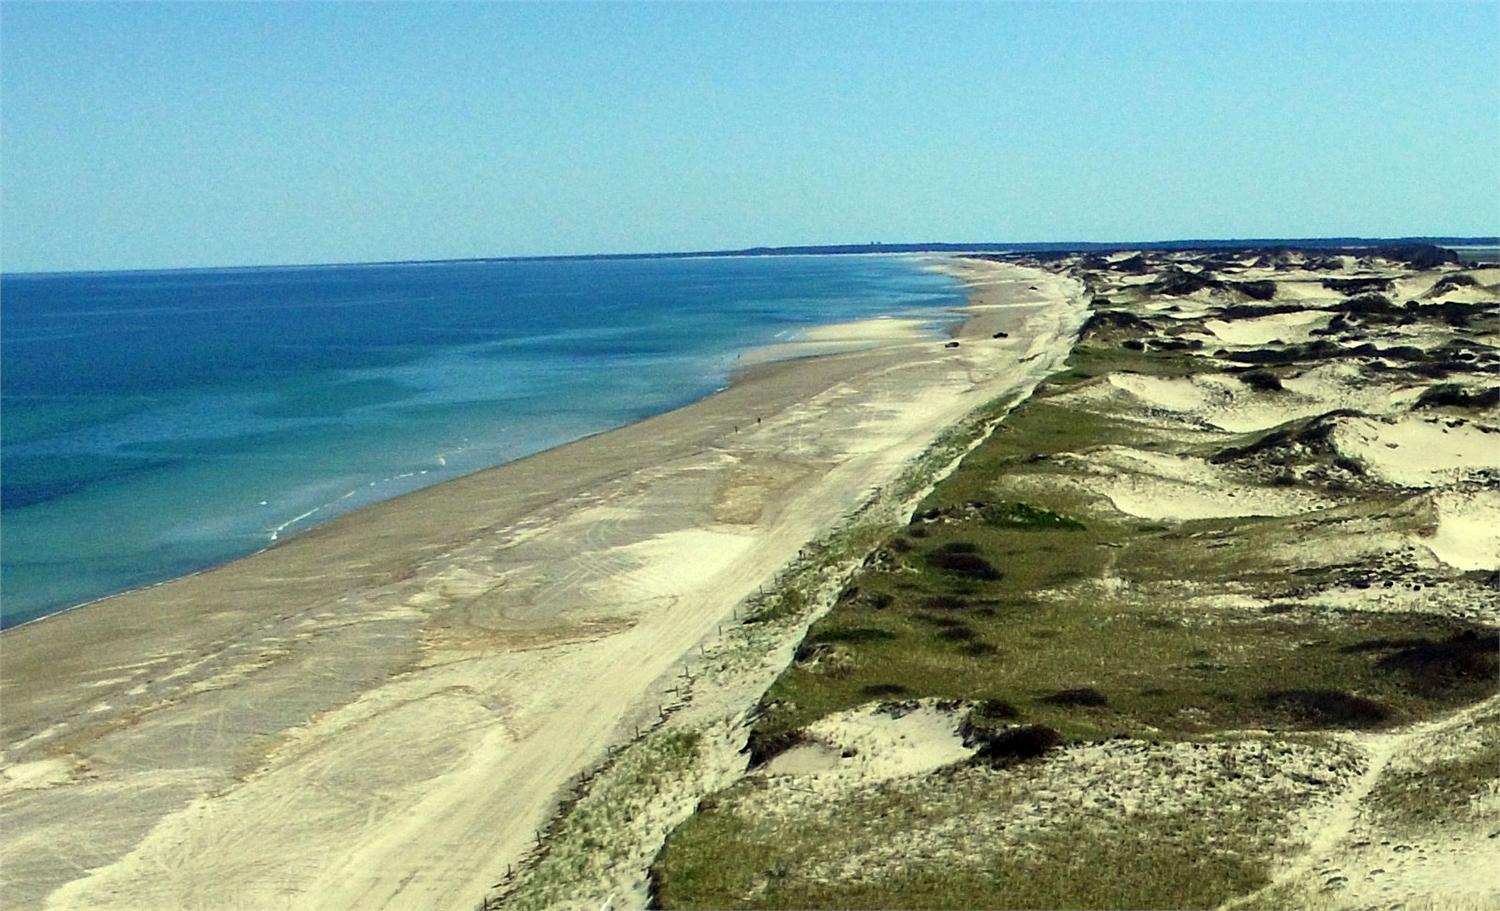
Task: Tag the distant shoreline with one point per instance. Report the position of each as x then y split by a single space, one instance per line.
943 247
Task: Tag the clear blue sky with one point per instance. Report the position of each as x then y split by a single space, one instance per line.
141 135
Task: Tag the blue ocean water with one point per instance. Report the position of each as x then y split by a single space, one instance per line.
157 423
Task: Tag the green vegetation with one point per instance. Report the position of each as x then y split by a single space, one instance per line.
1161 675
1067 607
1021 594
1023 515
1442 790
728 856
593 837
1091 360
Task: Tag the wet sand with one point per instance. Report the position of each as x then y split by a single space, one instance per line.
380 713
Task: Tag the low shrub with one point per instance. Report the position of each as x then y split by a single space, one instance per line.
1080 696
1257 290
1452 395
1019 743
961 560
1264 380
1326 708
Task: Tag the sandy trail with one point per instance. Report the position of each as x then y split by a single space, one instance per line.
1352 861
381 713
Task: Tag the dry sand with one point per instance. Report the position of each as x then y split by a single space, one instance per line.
381 712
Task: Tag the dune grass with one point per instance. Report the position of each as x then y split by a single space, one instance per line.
727 856
1040 605
586 845
1445 789
1067 610
1161 673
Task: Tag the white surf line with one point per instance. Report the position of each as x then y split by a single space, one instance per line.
276 532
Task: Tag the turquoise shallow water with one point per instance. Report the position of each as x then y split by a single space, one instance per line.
157 423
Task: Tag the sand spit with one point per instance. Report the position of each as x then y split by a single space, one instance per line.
839 338
382 713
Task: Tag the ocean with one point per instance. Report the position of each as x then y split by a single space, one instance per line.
154 424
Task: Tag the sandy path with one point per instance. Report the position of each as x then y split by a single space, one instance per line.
381 712
1351 861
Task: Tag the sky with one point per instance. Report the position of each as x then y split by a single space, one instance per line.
147 135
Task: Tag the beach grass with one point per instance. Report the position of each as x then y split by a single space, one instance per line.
1162 671
1449 787
587 843
1037 604
897 848
1088 602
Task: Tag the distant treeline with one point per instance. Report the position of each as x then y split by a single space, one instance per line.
1256 243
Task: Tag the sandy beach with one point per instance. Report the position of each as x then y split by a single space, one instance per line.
383 712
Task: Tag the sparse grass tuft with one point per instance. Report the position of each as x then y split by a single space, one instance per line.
1445 787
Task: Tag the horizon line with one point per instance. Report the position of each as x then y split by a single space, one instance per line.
1324 242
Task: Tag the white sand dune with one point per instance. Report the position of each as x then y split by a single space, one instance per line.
1222 401
1468 529
871 744
1415 451
1219 401
1294 326
1153 485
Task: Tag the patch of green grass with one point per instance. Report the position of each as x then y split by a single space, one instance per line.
788 601
1034 432
1047 622
1092 360
1160 675
1024 515
1248 550
1441 791
594 837
730 856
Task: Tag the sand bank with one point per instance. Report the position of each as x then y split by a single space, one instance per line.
380 713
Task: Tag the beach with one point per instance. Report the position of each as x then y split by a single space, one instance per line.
384 711
272 400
